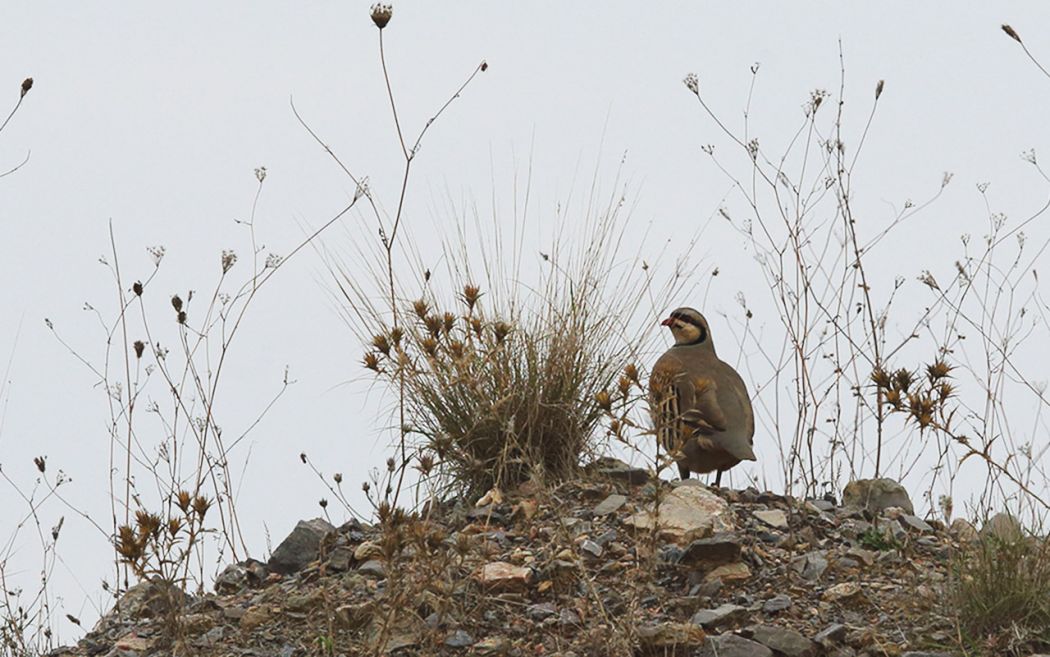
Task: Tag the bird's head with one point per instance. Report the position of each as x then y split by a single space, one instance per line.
688 327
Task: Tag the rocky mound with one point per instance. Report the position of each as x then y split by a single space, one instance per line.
587 568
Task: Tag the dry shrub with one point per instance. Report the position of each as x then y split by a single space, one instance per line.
511 381
1000 592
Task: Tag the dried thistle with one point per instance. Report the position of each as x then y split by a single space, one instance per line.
501 330
338 477
139 347
137 288
938 370
1011 32
419 306
381 343
624 384
174 525
201 506
395 335
429 346
902 379
181 317
148 523
604 400
476 326
448 321
878 88
381 15
631 372
371 361
176 303
183 500
881 378
128 545
27 84
471 294
457 349
434 325
40 462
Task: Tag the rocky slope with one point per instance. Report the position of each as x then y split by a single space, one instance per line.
586 568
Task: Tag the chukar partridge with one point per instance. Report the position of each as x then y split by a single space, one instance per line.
699 404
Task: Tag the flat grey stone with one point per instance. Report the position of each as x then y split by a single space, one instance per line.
731 645
459 639
541 611
722 615
830 635
775 518
876 495
810 566
777 603
916 523
300 547
372 568
783 640
712 551
609 505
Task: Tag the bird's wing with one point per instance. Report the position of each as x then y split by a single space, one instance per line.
705 416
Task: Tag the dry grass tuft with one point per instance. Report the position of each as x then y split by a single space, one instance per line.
1000 591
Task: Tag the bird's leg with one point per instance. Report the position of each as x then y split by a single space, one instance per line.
683 471
718 479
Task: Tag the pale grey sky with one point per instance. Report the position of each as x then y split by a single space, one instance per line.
154 118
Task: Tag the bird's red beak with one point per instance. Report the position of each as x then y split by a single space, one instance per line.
667 322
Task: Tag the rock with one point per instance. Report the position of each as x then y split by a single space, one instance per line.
916 523
923 653
685 513
731 645
810 566
372 568
777 603
722 615
730 572
541 611
1003 526
568 617
963 530
355 616
822 505
368 550
617 469
866 556
133 642
783 640
713 551
239 576
341 559
503 576
494 645
842 592
150 600
591 548
255 616
775 518
876 495
300 547
668 639
831 635
609 505
459 639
